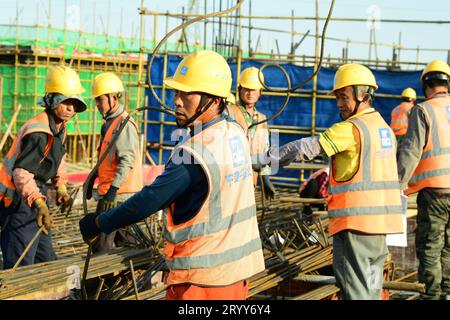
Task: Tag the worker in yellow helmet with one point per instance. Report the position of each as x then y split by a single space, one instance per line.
424 167
120 173
36 156
249 90
212 244
400 114
364 203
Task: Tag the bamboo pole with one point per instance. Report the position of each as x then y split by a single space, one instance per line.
8 130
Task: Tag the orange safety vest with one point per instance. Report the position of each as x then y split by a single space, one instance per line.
400 118
39 123
220 245
258 139
370 201
433 169
236 114
108 168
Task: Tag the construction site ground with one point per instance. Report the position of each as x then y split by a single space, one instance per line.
297 251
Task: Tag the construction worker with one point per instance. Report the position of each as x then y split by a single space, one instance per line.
37 155
424 167
364 202
315 187
212 238
400 114
249 89
120 174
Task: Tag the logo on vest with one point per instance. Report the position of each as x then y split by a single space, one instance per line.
385 136
237 151
448 113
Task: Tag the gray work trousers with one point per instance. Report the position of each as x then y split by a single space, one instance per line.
358 261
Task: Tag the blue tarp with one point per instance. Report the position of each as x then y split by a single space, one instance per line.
299 110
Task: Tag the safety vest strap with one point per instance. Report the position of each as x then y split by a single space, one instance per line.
200 229
365 185
369 210
214 260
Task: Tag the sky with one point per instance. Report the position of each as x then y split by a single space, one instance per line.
121 17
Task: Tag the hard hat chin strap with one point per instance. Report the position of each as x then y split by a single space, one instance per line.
110 106
358 102
205 103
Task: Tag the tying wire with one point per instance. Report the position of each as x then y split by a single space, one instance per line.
295 88
180 27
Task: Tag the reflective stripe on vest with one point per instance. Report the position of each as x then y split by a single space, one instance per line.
39 123
220 245
370 201
400 118
433 169
108 168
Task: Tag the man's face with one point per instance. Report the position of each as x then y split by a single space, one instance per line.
186 104
66 109
105 105
249 96
345 101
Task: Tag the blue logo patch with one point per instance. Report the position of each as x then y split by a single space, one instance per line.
237 151
448 113
184 70
385 136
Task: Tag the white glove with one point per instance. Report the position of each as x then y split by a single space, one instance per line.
299 150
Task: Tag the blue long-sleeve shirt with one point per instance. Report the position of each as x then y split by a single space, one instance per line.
184 184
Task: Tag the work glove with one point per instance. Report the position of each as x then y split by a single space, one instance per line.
108 201
297 150
63 199
43 217
269 189
88 228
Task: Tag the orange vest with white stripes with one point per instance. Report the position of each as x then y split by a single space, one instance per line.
108 168
433 169
39 123
400 117
369 202
220 245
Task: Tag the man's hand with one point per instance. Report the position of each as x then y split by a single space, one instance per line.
43 216
269 189
88 228
63 198
109 200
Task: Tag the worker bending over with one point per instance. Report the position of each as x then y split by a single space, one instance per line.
212 239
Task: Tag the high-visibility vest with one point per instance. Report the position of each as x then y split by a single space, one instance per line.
236 114
39 123
220 245
258 138
400 118
108 168
433 169
369 202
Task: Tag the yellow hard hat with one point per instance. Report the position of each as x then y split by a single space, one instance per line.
231 98
436 66
409 93
203 71
106 82
249 79
63 80
353 74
